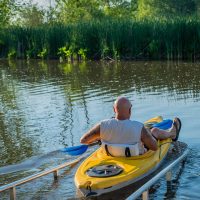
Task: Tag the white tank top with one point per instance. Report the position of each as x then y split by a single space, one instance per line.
116 131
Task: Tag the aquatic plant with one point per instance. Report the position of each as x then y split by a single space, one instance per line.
82 54
12 54
43 54
64 53
114 39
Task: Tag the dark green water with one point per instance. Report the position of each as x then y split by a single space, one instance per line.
45 106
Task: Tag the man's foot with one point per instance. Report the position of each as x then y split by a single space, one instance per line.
177 128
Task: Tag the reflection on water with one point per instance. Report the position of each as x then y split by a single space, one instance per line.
45 106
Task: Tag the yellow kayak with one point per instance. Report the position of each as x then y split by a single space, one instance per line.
101 173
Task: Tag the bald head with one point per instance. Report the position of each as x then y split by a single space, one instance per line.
122 108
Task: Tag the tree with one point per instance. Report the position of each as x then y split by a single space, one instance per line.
117 8
30 15
166 8
7 7
70 11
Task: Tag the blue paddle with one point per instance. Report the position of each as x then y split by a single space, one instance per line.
80 149
165 124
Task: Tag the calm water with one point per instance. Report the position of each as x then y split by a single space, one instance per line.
45 106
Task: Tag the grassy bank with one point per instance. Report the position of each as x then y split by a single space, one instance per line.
111 39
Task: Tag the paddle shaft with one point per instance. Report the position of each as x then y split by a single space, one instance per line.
94 143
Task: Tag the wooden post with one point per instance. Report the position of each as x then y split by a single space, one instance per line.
145 195
55 174
169 176
13 193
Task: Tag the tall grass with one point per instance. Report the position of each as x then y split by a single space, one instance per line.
108 39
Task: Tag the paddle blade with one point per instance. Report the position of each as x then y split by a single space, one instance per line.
75 150
165 124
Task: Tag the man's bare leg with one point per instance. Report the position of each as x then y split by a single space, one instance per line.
164 134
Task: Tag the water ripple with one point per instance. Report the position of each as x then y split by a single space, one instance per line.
47 106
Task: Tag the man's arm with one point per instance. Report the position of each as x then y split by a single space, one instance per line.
148 140
92 135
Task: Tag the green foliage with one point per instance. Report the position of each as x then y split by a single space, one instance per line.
100 29
6 10
110 39
29 54
30 15
43 54
104 50
166 8
74 11
12 54
153 48
115 54
82 53
64 53
93 29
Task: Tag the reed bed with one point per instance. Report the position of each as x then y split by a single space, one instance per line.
108 39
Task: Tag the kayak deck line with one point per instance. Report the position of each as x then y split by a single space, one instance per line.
144 189
12 186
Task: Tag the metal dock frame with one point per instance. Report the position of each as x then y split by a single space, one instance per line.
144 189
12 186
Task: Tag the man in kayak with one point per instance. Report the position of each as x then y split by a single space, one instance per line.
121 130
